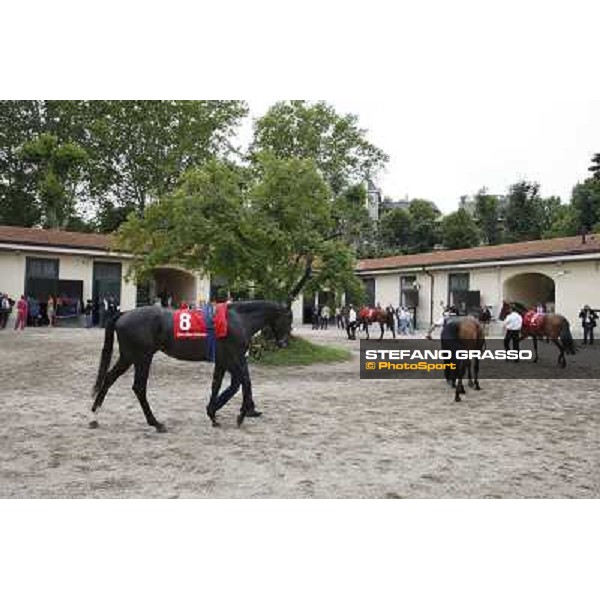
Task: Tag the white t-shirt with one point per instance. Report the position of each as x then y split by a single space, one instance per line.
352 316
513 321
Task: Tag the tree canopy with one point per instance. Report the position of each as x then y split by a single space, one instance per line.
271 231
136 151
459 230
336 143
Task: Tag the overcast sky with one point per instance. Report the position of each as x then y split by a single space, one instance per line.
460 93
464 97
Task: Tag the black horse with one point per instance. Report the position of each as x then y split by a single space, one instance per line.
144 331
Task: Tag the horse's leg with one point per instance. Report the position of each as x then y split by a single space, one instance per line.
211 409
535 350
119 368
471 384
562 361
459 384
140 382
382 327
367 330
476 373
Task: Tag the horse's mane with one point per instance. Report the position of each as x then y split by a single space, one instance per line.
248 306
521 306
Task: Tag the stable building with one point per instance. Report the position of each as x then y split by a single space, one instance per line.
562 273
80 266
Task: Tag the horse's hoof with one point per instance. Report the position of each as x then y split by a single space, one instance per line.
253 414
471 384
457 399
478 388
161 428
93 425
215 423
240 420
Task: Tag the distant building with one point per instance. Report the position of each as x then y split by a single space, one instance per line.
562 273
374 199
389 204
468 203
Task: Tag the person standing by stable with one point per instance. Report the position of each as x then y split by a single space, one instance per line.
351 328
588 322
50 311
513 324
21 313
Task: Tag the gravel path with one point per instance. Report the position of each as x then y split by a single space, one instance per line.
325 433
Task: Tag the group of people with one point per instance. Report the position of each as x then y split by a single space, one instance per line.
345 317
33 312
29 311
322 316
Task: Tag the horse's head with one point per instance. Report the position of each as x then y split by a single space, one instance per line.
282 326
506 308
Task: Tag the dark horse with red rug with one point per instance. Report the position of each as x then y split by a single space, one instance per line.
462 333
554 327
367 316
145 331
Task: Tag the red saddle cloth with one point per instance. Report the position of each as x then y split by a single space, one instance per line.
366 313
531 320
191 324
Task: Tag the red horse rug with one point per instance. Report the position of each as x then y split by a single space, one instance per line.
193 324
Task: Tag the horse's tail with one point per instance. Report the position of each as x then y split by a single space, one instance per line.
107 350
566 337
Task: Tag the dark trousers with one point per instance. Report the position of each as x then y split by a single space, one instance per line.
515 337
351 330
588 332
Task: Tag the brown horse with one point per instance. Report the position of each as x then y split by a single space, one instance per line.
368 315
462 333
554 327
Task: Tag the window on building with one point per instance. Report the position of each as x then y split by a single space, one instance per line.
409 295
107 280
41 268
41 277
369 285
457 283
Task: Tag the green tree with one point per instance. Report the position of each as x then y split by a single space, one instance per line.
585 201
338 146
459 230
352 218
424 234
269 232
140 149
560 219
58 171
19 122
523 212
487 215
395 230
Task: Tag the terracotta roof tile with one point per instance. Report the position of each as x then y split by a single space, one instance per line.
535 248
51 237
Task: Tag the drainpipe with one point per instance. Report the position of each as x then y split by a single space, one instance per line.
431 300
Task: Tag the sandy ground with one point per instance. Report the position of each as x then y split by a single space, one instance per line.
324 433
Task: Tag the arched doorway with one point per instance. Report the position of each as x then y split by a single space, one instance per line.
177 284
530 289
